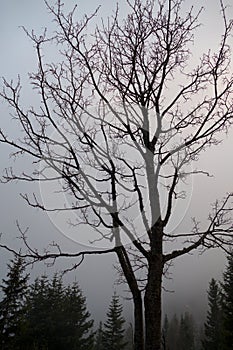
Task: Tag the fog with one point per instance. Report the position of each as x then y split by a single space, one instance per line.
188 279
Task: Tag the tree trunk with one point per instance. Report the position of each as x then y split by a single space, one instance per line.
152 303
138 323
152 298
137 297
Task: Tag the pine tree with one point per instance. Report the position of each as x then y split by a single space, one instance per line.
98 338
57 317
165 333
212 326
186 332
14 290
113 331
76 320
38 314
173 333
129 337
227 304
55 305
199 337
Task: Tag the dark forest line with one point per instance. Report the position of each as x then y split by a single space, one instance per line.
47 315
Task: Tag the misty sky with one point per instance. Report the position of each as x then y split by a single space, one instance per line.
190 275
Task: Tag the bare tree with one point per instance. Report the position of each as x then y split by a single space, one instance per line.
121 118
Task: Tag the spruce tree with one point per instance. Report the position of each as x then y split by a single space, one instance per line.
57 317
129 337
173 333
14 289
38 314
98 338
113 330
165 332
227 304
76 320
212 326
186 332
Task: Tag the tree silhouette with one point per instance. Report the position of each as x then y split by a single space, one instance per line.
186 332
14 290
165 331
227 304
98 338
120 120
212 330
113 330
56 317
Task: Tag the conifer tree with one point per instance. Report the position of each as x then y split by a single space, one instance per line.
173 333
76 320
129 337
165 332
14 290
113 331
212 327
199 337
227 304
39 314
57 317
98 338
186 332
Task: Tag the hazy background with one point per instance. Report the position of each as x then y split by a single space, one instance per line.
188 279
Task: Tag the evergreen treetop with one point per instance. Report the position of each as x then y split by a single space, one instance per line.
212 326
14 289
227 304
113 330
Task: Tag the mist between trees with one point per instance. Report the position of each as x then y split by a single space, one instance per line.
47 314
122 116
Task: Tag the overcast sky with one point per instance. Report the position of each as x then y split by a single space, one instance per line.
191 274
